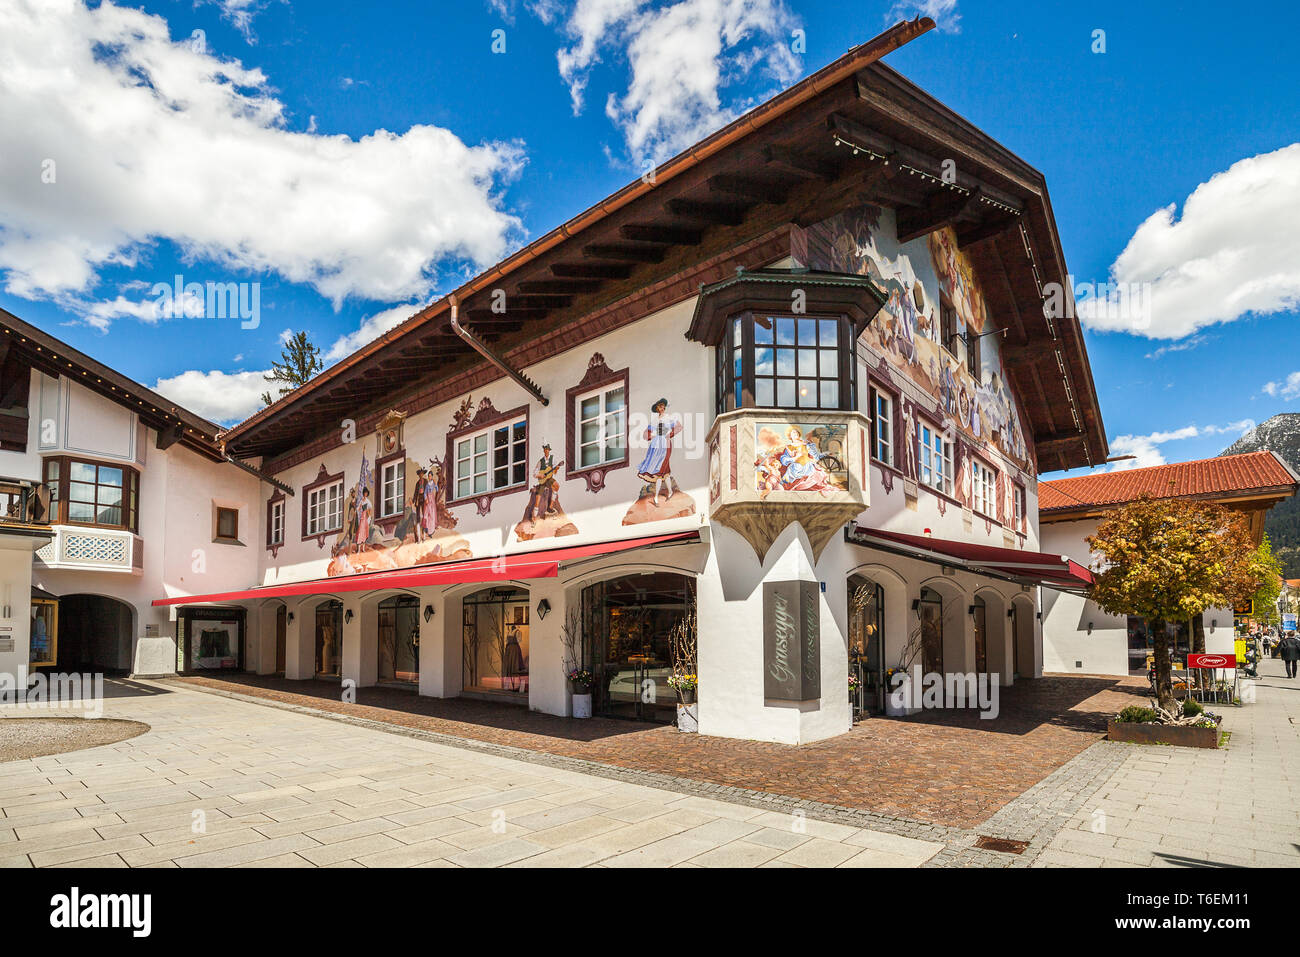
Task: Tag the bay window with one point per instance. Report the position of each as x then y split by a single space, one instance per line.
786 362
92 493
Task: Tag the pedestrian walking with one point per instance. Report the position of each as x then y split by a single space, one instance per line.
1290 651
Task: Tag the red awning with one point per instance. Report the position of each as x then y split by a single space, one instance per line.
539 564
1055 571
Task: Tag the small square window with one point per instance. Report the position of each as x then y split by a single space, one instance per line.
228 523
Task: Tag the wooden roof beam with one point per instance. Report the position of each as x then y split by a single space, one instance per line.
718 214
749 189
667 235
591 270
624 253
800 164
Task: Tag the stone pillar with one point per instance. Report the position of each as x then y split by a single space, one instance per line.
435 633
547 688
300 644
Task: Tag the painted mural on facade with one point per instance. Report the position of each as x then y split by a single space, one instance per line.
544 517
799 458
419 530
661 497
979 409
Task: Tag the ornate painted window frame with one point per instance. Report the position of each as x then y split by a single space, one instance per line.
485 417
599 377
323 478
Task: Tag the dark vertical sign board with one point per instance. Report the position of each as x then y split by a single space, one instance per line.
792 641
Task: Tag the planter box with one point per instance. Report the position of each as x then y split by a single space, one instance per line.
582 705
1183 737
688 718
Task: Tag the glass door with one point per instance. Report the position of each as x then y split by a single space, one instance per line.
329 639
629 623
399 640
981 638
930 611
867 643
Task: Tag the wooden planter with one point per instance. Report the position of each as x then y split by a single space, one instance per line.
1179 736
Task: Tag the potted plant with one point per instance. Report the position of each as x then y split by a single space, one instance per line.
684 679
581 679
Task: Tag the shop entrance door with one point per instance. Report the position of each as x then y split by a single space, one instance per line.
930 611
867 643
981 638
628 629
280 625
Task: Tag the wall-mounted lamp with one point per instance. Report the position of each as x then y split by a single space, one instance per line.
916 605
543 607
289 617
428 612
971 611
1011 613
1214 623
347 616
949 570
1090 628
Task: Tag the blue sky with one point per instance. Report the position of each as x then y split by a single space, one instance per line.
356 160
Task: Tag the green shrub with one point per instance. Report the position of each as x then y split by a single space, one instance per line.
1191 707
1136 714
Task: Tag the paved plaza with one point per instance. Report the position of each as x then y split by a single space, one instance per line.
283 783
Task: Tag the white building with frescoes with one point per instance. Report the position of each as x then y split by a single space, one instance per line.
797 386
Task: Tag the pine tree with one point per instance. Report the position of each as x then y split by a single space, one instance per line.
299 362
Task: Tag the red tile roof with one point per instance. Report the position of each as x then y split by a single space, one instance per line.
1228 475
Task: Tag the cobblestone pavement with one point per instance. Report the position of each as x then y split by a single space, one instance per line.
1169 807
949 770
273 785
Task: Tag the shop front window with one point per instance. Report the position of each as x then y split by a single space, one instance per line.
399 639
930 612
981 637
44 632
495 642
867 643
628 626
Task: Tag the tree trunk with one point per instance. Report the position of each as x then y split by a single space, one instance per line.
1198 635
1164 678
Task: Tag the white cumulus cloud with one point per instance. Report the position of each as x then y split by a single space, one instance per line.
114 137
221 397
682 57
1234 252
1146 449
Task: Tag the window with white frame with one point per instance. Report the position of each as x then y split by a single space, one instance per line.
882 426
325 509
602 426
275 524
1018 503
984 485
492 460
392 488
934 456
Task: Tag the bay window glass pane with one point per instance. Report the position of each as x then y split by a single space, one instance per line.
735 332
785 393
109 476
110 516
81 512
762 332
785 332
81 472
808 363
764 361
830 398
830 335
785 362
807 393
807 332
109 495
764 393
830 364
81 492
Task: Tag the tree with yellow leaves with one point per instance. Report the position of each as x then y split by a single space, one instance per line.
1169 560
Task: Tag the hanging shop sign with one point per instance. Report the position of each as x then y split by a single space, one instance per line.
791 641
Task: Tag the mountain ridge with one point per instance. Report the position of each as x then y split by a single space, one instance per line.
1279 434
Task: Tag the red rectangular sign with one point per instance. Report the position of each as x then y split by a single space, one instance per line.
1212 661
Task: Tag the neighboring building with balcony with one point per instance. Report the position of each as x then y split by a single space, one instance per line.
109 495
800 383
1077 635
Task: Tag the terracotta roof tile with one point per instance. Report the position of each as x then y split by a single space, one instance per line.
1225 474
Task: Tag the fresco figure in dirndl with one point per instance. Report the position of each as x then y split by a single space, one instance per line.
656 469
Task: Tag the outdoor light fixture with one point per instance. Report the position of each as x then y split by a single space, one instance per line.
289 617
1011 613
543 607
916 605
428 612
1214 623
1090 628
347 616
949 570
971 611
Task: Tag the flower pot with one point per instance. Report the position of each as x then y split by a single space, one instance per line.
687 695
1183 736
688 718
897 700
581 705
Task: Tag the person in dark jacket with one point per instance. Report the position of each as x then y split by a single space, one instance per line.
1290 650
